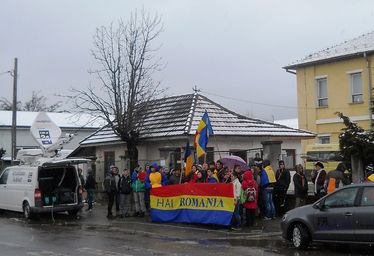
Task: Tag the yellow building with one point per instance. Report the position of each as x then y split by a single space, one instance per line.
336 79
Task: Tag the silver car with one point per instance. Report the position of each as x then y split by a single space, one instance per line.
344 216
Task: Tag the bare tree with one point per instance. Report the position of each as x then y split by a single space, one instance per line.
126 62
5 104
36 103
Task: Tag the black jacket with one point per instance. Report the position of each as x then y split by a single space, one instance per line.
300 190
173 180
90 182
283 178
124 184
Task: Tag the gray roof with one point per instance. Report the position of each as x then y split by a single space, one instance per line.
180 115
348 49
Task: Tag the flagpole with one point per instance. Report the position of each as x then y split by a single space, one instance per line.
215 140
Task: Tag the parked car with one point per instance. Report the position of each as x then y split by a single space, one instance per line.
344 216
53 186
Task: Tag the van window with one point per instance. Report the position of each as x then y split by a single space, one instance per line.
324 155
4 177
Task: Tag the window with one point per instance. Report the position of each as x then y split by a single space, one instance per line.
322 92
4 177
356 88
368 197
342 198
324 139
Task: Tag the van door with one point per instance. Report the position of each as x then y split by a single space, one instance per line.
3 189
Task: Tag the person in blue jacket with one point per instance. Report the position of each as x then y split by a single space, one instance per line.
211 177
155 178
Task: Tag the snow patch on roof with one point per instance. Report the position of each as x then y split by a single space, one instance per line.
173 116
359 45
63 120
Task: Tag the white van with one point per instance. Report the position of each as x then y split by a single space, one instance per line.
53 186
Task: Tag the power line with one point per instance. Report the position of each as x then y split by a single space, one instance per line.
248 101
6 72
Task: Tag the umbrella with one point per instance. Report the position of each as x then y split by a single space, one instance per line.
231 161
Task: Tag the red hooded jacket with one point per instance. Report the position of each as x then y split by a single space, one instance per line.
246 183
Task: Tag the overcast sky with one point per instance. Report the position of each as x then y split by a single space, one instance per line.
232 50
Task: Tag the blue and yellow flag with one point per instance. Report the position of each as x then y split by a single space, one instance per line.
204 130
188 159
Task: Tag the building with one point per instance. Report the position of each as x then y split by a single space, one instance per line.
81 126
336 79
171 121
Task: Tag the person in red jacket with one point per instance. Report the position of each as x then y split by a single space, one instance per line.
250 188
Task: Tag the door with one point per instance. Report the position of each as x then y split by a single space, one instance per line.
335 220
3 189
364 217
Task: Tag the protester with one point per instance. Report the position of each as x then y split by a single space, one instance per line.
236 219
167 173
90 187
200 177
138 189
211 178
226 176
155 178
219 171
147 192
261 209
192 173
175 177
336 179
238 170
111 188
258 160
318 179
283 178
267 185
124 187
205 170
301 186
250 189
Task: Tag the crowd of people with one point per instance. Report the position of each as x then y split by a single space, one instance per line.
259 191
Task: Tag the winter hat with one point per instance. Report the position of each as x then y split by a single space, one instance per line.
319 164
154 165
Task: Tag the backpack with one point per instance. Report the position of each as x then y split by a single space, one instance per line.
250 194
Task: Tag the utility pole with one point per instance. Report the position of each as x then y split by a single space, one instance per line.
14 112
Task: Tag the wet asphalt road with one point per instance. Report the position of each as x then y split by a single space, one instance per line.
69 236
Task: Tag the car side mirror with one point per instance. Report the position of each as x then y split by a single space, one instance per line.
320 205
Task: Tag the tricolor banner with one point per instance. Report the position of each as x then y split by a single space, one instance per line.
208 203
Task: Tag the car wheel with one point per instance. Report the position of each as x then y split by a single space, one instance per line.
300 237
27 210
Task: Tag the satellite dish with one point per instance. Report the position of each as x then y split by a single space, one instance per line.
45 131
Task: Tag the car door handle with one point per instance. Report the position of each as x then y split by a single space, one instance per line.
348 214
